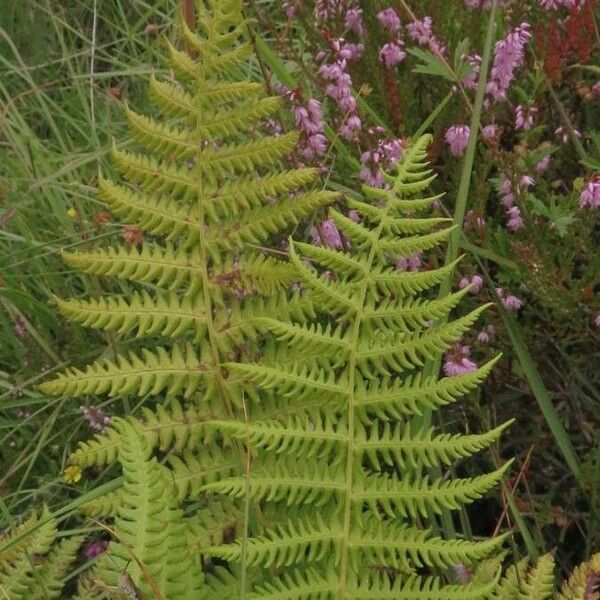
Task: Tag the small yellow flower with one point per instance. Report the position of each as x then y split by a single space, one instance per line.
72 212
72 474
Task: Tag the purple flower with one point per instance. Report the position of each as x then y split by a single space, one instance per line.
457 362
96 548
476 283
486 334
515 220
95 417
596 88
556 4
327 234
457 137
563 134
491 132
590 194
350 127
412 263
391 54
421 31
597 320
542 165
372 177
353 21
509 301
470 81
309 121
524 117
508 56
290 8
389 20
527 181
325 9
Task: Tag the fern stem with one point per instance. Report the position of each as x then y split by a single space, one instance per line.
352 369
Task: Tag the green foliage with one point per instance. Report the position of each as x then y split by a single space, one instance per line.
32 563
298 452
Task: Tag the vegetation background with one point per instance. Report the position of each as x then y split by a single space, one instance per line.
67 66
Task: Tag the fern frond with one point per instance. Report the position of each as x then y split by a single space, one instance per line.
152 543
49 576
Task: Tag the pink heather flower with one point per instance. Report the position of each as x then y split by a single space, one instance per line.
474 221
524 117
590 194
527 181
354 21
556 4
510 302
354 216
597 320
389 20
412 263
422 33
327 234
290 8
387 153
509 54
542 165
491 132
391 54
486 334
326 9
476 283
596 88
350 127
457 362
470 81
350 51
515 220
309 121
372 177
507 196
21 329
95 417
563 134
96 548
463 573
457 137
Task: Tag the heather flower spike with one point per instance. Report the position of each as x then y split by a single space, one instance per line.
457 138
